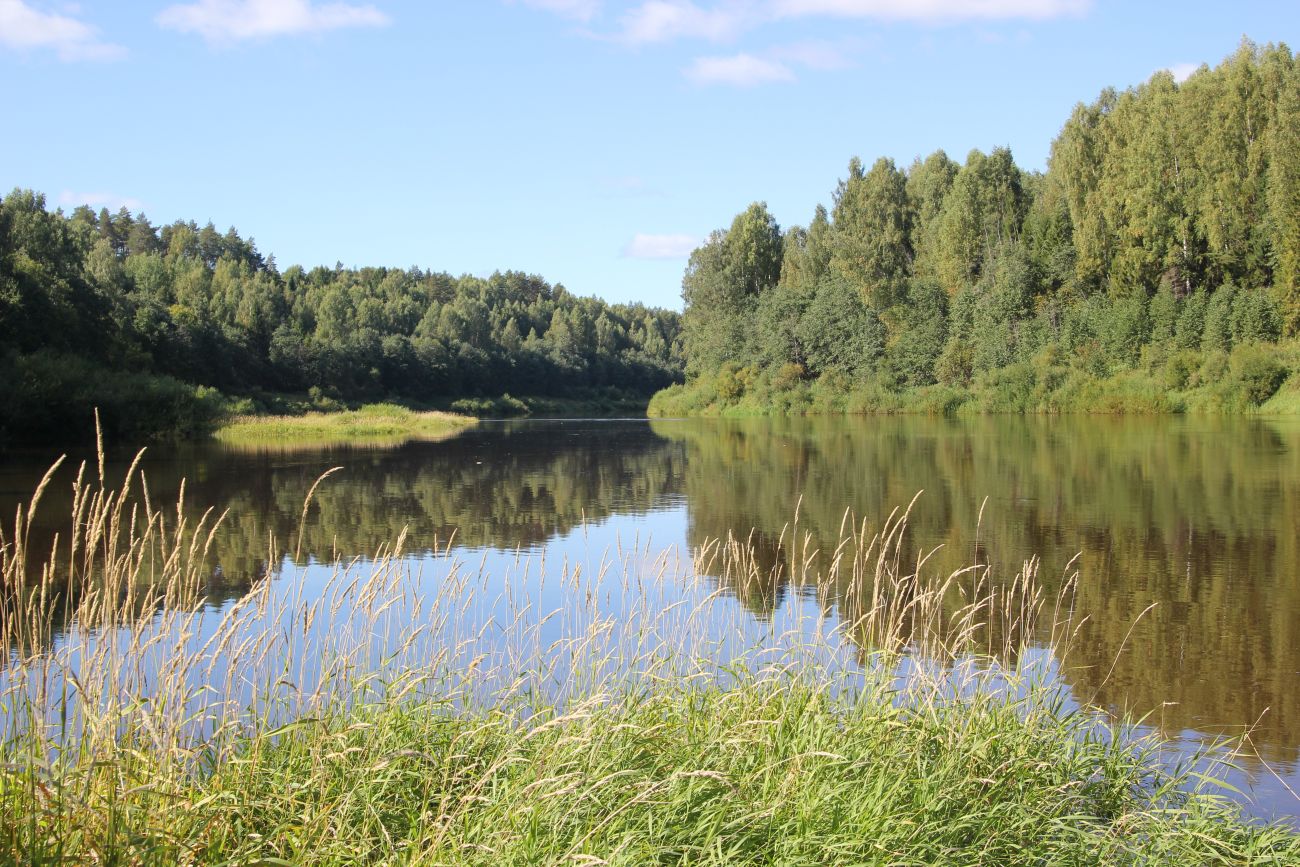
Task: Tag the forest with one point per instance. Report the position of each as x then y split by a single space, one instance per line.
1153 267
165 330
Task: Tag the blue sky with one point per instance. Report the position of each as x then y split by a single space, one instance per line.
593 142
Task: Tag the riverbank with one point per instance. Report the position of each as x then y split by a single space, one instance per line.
370 424
769 770
368 711
59 401
1258 379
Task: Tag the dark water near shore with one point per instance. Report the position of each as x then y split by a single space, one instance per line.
1199 518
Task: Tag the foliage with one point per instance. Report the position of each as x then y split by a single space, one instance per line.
1165 225
118 298
53 394
1258 372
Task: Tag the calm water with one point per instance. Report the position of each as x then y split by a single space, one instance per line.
1199 516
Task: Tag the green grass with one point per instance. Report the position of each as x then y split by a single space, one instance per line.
374 424
770 770
381 719
1254 379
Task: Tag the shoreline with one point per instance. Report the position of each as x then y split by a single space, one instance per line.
1022 389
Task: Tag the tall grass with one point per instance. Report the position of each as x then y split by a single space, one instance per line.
402 709
373 424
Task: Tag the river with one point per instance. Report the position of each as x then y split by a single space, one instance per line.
1184 532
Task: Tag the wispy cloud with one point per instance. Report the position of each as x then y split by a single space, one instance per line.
660 246
221 21
1182 71
579 10
660 21
776 64
111 201
25 29
818 54
740 70
931 11
664 20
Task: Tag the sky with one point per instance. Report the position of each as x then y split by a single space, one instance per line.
593 142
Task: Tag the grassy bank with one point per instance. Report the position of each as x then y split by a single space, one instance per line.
767 771
1254 379
381 423
633 715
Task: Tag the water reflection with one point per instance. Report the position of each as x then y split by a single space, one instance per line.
1197 517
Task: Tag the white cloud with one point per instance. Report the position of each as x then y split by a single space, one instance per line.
776 64
816 54
660 246
25 28
113 202
1182 71
231 20
930 11
663 20
580 10
741 70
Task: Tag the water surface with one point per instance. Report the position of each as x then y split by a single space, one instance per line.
1183 531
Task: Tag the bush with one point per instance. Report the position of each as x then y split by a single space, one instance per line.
956 363
1179 368
1257 372
51 397
734 380
1007 389
321 402
788 376
504 406
1212 368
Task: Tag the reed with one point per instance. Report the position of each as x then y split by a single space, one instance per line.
421 709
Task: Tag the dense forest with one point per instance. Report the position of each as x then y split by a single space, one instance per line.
1155 266
161 327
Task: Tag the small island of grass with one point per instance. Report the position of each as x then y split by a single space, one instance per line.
373 424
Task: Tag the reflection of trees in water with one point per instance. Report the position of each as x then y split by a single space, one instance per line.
504 486
1197 515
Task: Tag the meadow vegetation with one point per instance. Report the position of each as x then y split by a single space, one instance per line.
370 424
390 709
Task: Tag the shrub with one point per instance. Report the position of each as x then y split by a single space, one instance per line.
1179 368
504 406
1212 368
52 397
788 376
1257 372
956 364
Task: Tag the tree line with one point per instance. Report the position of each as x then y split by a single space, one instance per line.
1143 269
159 326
